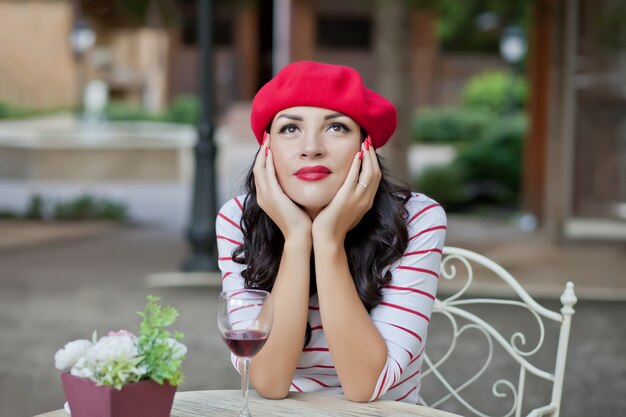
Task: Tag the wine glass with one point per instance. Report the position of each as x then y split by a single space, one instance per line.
245 318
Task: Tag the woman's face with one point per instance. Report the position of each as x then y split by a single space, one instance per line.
313 150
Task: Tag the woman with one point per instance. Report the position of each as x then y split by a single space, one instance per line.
351 259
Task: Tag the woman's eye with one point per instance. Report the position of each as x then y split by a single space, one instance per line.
289 128
338 127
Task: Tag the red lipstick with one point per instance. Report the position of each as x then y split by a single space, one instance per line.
314 173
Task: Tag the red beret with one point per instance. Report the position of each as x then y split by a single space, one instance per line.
333 87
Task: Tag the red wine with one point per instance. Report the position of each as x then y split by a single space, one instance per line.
245 343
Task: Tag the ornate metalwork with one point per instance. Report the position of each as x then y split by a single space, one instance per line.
459 262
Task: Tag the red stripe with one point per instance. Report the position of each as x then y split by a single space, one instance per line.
399 366
407 394
411 332
316 366
296 387
229 220
419 355
408 310
225 275
313 308
225 258
316 349
421 252
412 268
421 211
239 203
382 384
404 380
321 383
246 306
229 240
393 287
428 230
320 327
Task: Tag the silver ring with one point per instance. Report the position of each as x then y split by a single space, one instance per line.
364 185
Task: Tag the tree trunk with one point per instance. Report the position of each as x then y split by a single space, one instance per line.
391 32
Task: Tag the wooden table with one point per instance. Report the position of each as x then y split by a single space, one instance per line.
227 402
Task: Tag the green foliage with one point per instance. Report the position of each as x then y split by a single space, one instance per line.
35 208
124 111
184 109
448 125
158 354
493 164
10 111
456 26
86 207
446 184
495 91
6 214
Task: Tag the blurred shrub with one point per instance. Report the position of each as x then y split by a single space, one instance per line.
124 111
495 91
10 111
488 170
449 125
6 214
446 184
87 207
493 163
184 109
35 209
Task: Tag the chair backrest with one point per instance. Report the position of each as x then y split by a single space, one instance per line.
476 316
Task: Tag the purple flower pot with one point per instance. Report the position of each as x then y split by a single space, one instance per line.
140 399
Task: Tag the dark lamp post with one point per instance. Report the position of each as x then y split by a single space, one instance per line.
201 231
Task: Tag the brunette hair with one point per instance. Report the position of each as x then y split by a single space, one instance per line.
374 244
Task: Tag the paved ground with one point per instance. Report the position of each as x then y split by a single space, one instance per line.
73 284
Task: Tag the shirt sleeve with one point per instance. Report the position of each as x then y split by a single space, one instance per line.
230 237
403 315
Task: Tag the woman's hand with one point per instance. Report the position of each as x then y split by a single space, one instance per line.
354 198
290 219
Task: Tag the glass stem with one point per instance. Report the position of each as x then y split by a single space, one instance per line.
245 382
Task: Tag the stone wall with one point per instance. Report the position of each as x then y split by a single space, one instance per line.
37 68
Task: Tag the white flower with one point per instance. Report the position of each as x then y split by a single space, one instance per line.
178 349
70 353
83 368
112 348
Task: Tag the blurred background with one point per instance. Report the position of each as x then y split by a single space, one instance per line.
124 125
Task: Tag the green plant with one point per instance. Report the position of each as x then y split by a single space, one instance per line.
124 111
6 214
493 164
495 91
159 354
35 208
445 183
448 125
86 207
122 358
184 109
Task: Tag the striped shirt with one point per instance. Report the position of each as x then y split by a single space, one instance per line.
402 316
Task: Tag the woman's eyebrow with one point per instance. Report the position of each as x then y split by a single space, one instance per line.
333 116
290 117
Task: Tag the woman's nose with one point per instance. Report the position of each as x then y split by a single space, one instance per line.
312 145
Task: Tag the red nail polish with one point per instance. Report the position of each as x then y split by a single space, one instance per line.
264 138
361 154
367 146
267 151
369 140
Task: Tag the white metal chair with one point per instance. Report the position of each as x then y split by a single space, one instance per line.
463 315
